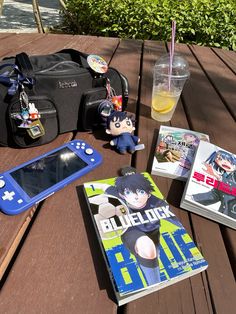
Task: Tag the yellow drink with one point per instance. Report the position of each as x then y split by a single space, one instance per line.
163 104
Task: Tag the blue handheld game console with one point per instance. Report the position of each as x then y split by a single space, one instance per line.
31 182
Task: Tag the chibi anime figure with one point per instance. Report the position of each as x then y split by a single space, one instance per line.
121 126
221 165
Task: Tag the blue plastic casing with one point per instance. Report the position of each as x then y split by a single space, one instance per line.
29 183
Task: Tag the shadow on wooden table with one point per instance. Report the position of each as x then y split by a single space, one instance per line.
98 261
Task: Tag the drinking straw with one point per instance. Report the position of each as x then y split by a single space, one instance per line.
171 52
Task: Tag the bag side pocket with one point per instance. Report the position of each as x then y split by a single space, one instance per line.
48 118
89 117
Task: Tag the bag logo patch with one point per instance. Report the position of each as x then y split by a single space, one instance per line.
67 84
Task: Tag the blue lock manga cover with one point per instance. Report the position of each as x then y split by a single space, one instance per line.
145 246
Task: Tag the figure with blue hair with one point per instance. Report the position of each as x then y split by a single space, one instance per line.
121 126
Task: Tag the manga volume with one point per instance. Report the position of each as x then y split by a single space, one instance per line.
211 188
175 151
145 246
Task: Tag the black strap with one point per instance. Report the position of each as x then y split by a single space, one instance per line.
77 56
24 64
81 58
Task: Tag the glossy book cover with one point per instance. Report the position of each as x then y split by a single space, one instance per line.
175 151
145 246
211 188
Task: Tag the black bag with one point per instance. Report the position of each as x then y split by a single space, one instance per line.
64 89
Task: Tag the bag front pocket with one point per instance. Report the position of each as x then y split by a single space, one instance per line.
37 130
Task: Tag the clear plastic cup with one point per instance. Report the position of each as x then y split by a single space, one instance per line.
167 86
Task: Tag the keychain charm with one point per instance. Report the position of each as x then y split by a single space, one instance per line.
113 98
29 117
24 113
36 129
117 102
97 64
33 112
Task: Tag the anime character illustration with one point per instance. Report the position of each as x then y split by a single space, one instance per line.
190 142
165 151
97 63
191 139
121 126
221 165
141 240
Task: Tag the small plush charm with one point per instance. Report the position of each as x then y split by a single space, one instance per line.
121 126
33 112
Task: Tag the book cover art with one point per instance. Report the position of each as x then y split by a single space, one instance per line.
145 246
175 151
211 188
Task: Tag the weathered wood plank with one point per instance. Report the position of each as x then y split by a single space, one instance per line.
187 296
219 70
204 110
228 57
15 43
221 77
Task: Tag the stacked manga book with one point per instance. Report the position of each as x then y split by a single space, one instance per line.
145 246
211 187
209 172
175 151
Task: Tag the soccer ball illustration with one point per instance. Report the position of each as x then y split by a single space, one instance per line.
106 208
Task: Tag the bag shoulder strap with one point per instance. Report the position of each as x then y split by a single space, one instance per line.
77 56
24 64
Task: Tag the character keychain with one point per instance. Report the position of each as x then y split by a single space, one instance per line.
121 126
113 98
29 117
35 128
111 103
24 111
97 64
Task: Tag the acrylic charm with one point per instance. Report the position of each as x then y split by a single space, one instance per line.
36 129
97 64
117 102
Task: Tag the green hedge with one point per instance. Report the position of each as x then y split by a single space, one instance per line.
203 22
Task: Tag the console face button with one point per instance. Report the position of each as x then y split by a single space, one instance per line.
8 196
2 184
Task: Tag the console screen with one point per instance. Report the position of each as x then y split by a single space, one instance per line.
47 171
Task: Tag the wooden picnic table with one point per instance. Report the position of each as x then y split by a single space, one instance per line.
50 259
